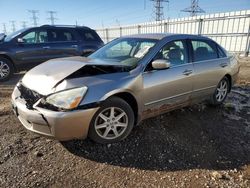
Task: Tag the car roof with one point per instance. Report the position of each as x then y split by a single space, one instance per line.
63 26
159 36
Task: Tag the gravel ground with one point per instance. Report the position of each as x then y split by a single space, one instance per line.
198 146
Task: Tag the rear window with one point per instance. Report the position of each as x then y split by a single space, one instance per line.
89 35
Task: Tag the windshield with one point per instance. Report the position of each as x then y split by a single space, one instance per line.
125 50
13 35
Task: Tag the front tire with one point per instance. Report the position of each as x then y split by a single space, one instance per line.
220 92
112 122
6 69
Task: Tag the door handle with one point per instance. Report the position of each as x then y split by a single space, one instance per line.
223 65
187 72
46 47
74 46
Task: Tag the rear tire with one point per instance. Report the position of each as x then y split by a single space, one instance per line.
112 122
220 92
6 69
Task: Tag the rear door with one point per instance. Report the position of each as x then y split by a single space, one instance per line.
62 43
171 88
209 67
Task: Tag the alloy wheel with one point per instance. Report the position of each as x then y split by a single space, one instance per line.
221 91
111 123
4 69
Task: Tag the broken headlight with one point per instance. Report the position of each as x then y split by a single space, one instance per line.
68 99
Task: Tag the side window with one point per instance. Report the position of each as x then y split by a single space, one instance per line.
221 53
56 35
53 36
174 52
66 36
42 37
204 50
30 38
34 37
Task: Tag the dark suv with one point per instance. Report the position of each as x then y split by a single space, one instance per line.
29 47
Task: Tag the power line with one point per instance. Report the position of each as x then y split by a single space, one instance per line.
52 17
13 25
24 24
158 9
194 9
4 28
34 17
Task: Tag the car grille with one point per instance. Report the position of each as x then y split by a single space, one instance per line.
31 97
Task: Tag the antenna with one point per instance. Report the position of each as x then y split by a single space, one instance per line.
158 6
194 8
4 28
24 24
34 16
52 17
13 25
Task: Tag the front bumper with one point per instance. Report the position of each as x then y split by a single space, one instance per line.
59 125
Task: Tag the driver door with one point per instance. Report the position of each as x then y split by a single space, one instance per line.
31 51
171 88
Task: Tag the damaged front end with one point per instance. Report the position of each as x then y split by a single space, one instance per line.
43 81
28 95
49 97
54 124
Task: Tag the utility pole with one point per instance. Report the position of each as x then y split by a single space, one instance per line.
52 17
34 17
4 28
24 24
194 9
158 9
13 25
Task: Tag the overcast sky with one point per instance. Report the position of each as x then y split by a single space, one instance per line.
98 13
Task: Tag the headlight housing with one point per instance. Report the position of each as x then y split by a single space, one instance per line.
68 99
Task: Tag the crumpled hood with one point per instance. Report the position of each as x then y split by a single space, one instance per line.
44 77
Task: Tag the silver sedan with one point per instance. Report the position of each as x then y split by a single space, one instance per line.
132 78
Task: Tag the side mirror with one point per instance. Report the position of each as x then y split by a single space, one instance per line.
160 64
20 40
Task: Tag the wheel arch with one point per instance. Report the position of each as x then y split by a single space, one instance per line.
229 77
131 100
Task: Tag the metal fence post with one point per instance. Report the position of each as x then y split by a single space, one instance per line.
200 26
165 27
120 31
247 49
139 29
107 35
